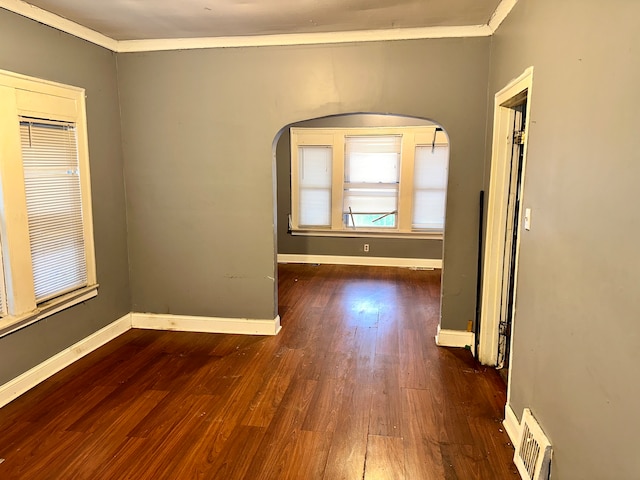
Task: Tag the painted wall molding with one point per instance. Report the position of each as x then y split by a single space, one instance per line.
512 425
465 31
455 338
364 261
29 379
497 203
188 323
59 23
122 46
502 10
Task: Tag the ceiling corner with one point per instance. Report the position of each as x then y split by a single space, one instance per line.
502 10
59 23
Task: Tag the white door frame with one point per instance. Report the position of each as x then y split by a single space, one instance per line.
501 152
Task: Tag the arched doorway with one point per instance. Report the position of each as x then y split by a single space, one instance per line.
345 242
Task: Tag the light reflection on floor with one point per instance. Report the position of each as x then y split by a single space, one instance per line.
365 297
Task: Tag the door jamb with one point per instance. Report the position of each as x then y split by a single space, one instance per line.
505 100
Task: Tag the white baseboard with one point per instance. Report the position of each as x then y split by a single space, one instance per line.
29 379
186 323
456 338
365 261
511 425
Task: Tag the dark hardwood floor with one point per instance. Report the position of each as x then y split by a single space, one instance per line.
354 387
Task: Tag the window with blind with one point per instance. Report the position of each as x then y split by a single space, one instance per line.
46 230
315 186
369 181
430 186
54 206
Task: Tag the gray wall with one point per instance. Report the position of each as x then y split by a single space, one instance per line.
576 331
30 48
198 131
310 245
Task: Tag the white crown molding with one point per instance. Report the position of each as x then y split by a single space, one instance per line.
304 38
502 10
127 46
59 23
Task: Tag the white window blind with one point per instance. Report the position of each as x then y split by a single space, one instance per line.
371 179
54 206
315 185
430 187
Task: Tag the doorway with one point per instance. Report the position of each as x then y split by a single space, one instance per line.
417 239
504 226
512 238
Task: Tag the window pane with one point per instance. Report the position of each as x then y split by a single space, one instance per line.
314 208
365 220
371 200
315 166
372 173
430 187
430 169
370 208
372 159
54 207
429 209
314 186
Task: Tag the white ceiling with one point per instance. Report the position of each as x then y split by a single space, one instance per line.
171 19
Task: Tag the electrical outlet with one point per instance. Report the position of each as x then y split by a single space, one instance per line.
366 247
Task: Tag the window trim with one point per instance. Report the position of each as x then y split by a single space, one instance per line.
21 95
335 138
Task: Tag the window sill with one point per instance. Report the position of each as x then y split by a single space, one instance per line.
368 234
12 323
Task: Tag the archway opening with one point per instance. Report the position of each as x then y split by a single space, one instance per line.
389 221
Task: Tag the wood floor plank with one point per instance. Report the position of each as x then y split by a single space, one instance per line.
169 411
346 458
107 436
119 465
300 463
386 405
229 461
270 462
322 415
15 436
385 458
37 458
265 403
353 387
413 373
173 441
387 340
122 397
366 352
423 458
293 461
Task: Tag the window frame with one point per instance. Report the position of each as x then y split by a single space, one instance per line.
23 96
335 138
